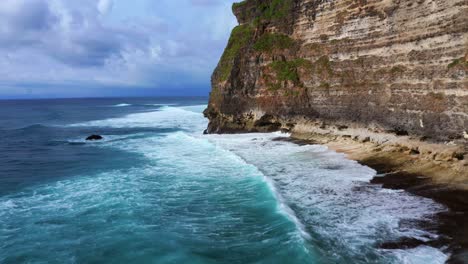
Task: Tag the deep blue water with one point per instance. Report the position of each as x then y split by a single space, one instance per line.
156 190
36 142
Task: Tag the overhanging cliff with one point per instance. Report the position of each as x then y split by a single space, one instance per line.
387 65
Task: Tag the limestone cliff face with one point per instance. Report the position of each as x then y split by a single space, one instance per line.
388 65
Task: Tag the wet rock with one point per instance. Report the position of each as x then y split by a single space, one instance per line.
400 132
268 123
403 243
366 139
414 151
459 156
94 138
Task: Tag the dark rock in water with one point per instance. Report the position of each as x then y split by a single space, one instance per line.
403 243
94 137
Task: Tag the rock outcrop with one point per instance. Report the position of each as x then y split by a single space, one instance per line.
395 66
94 138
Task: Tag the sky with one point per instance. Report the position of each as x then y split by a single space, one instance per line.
99 48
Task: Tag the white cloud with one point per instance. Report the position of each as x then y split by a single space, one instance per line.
104 6
62 41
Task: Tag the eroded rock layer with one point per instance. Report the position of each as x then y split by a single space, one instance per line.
387 65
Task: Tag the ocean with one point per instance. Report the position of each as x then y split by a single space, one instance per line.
156 190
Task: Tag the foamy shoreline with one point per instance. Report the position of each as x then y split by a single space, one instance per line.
432 170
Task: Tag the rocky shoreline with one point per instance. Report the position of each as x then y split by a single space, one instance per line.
435 170
438 171
451 225
382 81
400 166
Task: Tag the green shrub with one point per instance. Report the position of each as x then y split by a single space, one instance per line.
271 41
285 71
274 9
240 37
457 61
271 10
239 4
277 9
288 71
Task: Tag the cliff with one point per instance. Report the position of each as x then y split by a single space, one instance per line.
383 81
390 66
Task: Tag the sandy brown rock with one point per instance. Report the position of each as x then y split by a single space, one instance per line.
444 164
436 171
381 80
393 65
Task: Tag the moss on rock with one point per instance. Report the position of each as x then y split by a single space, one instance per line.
288 71
273 41
240 37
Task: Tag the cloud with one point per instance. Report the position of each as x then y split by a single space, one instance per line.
142 43
206 2
23 22
104 6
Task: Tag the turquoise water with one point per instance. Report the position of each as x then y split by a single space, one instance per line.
158 191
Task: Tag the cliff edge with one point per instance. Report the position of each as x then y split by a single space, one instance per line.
389 72
387 65
381 80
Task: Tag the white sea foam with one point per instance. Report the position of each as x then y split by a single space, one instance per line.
183 146
160 104
166 117
7 205
422 254
320 190
331 194
194 108
146 202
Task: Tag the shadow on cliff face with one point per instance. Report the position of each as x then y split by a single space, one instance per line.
268 123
